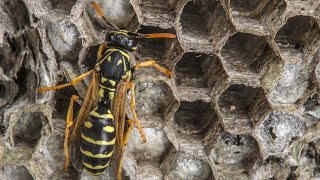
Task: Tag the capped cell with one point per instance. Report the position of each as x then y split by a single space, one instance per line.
277 131
234 154
182 166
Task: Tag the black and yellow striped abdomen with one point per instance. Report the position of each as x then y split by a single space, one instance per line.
97 140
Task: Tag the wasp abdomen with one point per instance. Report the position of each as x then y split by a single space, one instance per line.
97 140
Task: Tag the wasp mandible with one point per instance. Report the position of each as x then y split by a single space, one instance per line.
99 129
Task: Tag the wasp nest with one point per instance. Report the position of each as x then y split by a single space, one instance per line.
243 102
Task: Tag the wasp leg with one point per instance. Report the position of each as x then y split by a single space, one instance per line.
135 117
102 47
126 137
155 65
71 83
69 123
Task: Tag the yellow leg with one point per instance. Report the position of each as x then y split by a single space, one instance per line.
71 83
155 65
126 137
102 47
69 123
135 117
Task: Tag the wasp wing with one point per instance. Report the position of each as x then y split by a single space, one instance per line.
119 113
90 102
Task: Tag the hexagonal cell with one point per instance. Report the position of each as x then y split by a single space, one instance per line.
233 156
162 50
296 35
204 26
50 157
311 111
192 122
120 13
298 41
256 14
64 5
13 172
156 13
27 130
277 132
153 98
155 148
247 55
241 107
198 70
182 166
64 38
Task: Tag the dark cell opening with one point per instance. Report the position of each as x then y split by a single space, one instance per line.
154 48
28 128
297 32
194 118
244 5
247 53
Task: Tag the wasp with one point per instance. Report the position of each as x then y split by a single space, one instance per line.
101 129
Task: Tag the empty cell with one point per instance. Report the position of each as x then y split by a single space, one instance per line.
198 70
244 6
247 54
62 101
15 173
202 19
194 119
62 5
155 48
238 105
277 132
297 33
152 98
235 154
160 13
28 128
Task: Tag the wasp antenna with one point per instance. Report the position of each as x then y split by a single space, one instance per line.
159 35
100 12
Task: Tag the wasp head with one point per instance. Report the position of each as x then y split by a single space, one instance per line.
121 39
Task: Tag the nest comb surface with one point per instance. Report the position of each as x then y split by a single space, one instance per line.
243 102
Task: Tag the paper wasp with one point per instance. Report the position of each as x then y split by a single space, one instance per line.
101 121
